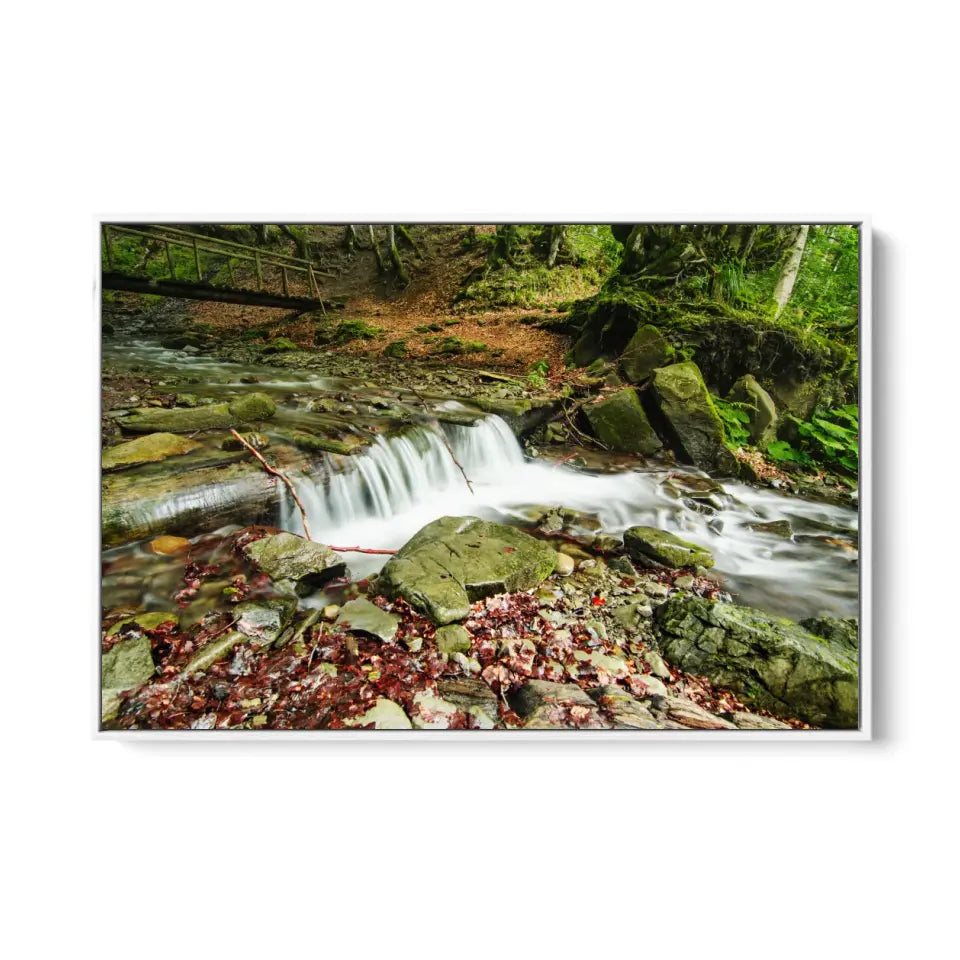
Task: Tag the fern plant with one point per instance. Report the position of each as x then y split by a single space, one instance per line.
830 438
735 419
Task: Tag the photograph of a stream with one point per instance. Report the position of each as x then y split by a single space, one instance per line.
480 477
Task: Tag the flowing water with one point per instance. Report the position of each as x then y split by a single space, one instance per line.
379 498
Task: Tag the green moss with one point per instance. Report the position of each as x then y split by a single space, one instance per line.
396 349
454 345
280 345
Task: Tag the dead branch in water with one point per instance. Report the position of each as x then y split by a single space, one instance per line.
443 436
283 477
360 550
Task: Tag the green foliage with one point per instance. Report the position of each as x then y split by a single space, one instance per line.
734 417
831 437
537 375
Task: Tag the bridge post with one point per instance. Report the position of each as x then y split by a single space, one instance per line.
173 272
196 260
259 271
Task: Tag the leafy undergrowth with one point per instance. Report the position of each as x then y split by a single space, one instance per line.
327 678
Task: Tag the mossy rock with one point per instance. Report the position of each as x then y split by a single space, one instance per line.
455 561
397 349
295 564
620 423
362 616
759 407
771 662
149 449
692 420
252 406
646 544
126 666
280 345
453 638
845 631
646 350
317 444
144 621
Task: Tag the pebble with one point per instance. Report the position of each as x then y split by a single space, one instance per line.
330 612
565 565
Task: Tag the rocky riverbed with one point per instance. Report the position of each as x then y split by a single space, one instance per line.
539 584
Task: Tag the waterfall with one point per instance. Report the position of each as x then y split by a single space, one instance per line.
381 497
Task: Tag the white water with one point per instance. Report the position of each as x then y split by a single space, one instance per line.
381 498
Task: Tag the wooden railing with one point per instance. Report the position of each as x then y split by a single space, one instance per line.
286 269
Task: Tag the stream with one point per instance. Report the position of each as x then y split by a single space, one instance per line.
403 480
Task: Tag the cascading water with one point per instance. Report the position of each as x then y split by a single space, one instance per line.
383 496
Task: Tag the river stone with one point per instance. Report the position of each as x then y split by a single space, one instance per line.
454 561
127 665
167 546
647 544
689 714
544 705
754 721
759 406
145 621
686 407
473 697
453 638
627 712
771 662
149 449
259 441
362 616
646 350
294 563
384 715
775 528
620 423
565 565
264 620
253 406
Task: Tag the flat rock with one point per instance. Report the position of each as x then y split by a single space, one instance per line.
149 449
545 705
362 616
646 544
771 662
774 528
689 714
627 712
472 696
453 638
694 423
144 621
454 561
295 563
754 721
127 665
383 715
264 620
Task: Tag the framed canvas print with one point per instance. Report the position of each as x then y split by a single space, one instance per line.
484 480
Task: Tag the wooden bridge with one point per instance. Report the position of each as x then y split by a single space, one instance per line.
168 261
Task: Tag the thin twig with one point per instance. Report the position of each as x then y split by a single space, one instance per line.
283 477
446 442
361 550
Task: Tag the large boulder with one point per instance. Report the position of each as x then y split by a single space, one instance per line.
772 663
650 546
455 561
646 351
295 564
149 449
692 419
250 407
620 423
759 407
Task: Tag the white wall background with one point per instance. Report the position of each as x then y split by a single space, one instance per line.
493 111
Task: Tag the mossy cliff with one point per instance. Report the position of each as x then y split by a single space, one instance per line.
799 368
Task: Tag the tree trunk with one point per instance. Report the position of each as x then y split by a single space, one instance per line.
260 233
300 239
557 234
376 249
407 236
395 255
349 238
791 266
